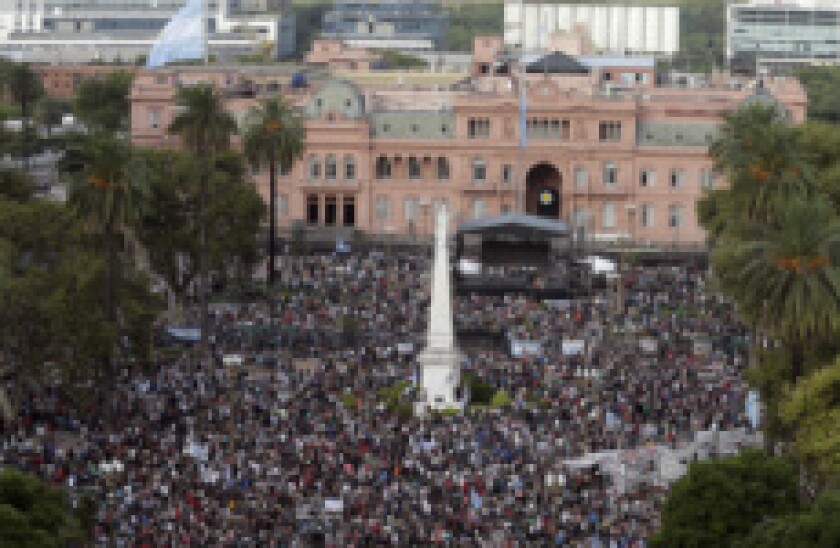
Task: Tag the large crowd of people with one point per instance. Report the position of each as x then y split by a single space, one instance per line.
295 443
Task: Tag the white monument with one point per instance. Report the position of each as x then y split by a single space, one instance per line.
440 372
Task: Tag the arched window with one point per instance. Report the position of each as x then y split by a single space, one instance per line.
350 167
383 168
314 167
330 167
442 168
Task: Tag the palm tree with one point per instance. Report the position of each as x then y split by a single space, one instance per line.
762 156
274 137
24 88
205 127
110 187
785 276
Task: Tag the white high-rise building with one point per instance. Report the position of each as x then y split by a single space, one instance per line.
76 31
779 36
612 28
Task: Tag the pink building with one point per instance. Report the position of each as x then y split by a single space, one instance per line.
617 156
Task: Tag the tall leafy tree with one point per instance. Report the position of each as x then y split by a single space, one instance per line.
170 231
205 128
812 411
785 276
110 187
760 154
104 104
815 527
274 138
25 88
718 502
34 514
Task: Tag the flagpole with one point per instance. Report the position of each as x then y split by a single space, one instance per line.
205 4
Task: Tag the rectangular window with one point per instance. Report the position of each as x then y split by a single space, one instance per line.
646 216
507 173
707 178
478 208
579 217
350 169
330 168
505 209
349 207
646 178
413 168
676 177
675 216
442 168
281 206
383 208
312 216
581 178
609 130
479 171
154 118
314 167
478 128
608 215
412 208
330 210
610 174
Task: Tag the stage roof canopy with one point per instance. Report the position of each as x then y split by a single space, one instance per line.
522 222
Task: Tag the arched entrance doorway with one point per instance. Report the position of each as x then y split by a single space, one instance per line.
542 191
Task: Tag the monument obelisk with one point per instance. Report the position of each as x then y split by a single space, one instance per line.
440 373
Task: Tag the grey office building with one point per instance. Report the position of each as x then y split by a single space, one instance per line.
776 38
387 24
73 31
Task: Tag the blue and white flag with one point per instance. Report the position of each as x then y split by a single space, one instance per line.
183 37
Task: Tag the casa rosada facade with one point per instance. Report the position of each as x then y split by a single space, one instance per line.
604 148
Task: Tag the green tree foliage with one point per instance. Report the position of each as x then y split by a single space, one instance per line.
205 128
110 188
816 527
476 20
50 111
821 84
51 300
273 138
480 392
501 399
103 104
785 276
33 514
812 411
169 229
719 501
397 60
15 185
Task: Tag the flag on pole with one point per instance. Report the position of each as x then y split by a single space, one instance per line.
183 37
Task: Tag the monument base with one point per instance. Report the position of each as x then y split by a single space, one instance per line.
440 379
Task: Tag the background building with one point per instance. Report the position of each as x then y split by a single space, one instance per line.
606 148
612 28
386 24
78 31
782 36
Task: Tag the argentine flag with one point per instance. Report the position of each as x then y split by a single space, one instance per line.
183 37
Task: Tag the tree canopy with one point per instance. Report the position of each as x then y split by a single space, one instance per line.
719 501
103 104
34 514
